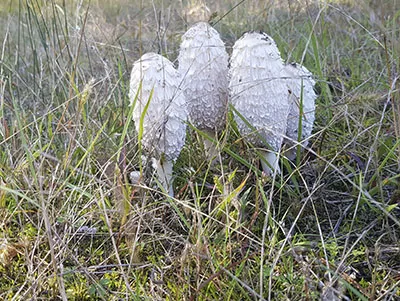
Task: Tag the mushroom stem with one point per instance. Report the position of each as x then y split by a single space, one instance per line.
272 159
211 148
291 153
164 172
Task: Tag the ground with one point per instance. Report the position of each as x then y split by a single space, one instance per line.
74 227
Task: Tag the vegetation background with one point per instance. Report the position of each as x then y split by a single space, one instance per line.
73 227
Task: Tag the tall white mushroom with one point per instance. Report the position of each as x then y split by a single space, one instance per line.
302 100
160 111
203 65
259 92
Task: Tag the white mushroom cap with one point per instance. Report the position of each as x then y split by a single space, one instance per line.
134 177
161 108
203 65
259 89
164 127
300 76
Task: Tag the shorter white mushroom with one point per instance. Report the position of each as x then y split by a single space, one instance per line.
302 103
134 177
259 92
159 113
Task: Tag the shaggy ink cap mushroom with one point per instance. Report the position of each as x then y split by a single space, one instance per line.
160 110
259 92
302 100
203 65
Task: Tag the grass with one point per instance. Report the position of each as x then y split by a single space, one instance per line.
73 227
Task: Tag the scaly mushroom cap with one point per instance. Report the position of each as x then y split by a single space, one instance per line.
203 65
259 89
300 75
164 129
